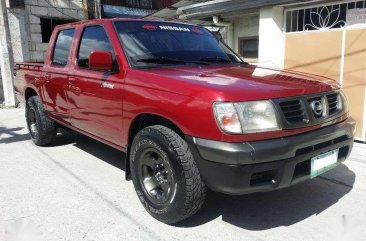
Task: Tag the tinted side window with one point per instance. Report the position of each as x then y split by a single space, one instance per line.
94 38
62 47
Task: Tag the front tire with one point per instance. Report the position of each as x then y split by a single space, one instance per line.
165 176
41 128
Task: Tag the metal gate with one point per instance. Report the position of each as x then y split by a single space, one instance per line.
330 40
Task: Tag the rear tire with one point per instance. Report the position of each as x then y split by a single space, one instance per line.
41 128
165 176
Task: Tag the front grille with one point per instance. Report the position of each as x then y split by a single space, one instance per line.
292 110
308 110
333 103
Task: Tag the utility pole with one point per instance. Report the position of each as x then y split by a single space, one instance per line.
7 62
97 9
85 9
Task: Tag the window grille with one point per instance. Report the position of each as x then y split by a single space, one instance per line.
322 17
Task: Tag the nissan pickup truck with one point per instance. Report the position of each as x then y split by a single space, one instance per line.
188 112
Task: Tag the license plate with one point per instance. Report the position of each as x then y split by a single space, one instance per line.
323 163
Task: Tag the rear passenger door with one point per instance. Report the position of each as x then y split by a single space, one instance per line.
95 97
55 76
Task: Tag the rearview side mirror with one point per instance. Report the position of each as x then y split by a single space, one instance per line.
101 60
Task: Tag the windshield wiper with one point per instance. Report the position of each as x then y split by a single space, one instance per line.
165 60
161 60
215 59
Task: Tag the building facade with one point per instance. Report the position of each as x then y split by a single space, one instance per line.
132 8
31 21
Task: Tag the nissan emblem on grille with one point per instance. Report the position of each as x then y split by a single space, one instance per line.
319 107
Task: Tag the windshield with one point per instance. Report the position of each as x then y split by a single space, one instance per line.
153 44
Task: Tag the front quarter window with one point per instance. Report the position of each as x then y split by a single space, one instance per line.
153 44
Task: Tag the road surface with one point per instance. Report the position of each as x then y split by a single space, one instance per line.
75 190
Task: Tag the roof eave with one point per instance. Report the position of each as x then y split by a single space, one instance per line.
218 7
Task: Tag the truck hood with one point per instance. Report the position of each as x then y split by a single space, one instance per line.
240 83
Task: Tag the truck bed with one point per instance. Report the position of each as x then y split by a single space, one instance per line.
28 65
26 74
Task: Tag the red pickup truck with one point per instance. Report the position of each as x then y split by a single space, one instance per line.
186 109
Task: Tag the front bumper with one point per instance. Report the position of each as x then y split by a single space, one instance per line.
239 168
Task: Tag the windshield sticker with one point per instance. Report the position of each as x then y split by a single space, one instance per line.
197 31
149 27
173 28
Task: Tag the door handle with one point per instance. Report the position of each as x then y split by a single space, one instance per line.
72 80
47 77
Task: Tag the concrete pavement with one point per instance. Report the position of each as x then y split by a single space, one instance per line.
75 190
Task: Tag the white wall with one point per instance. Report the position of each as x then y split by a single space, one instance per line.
18 33
244 26
271 38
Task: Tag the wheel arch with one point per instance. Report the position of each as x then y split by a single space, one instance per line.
29 91
142 121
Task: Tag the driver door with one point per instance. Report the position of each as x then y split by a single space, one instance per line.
95 97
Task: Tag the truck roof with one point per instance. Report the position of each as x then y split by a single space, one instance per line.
104 20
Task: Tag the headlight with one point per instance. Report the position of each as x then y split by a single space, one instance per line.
246 117
227 117
257 116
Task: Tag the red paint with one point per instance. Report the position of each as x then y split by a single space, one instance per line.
75 97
